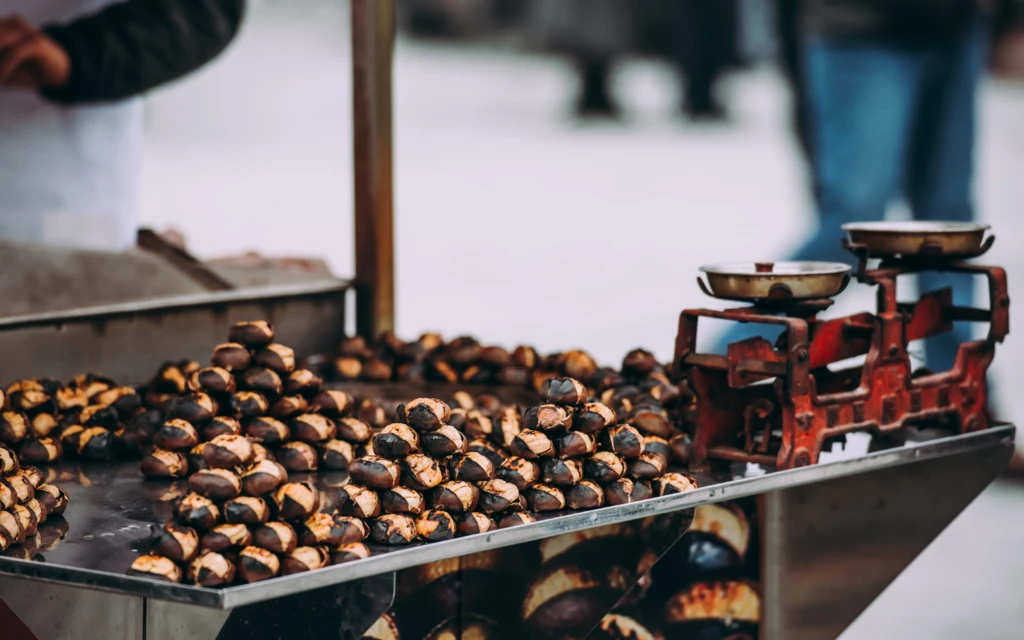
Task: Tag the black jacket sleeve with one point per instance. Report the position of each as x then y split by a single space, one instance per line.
134 46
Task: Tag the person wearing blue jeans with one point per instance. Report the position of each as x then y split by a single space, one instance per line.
891 91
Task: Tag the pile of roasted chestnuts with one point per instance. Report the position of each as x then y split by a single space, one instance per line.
26 502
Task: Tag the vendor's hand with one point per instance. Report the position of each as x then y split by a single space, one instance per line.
29 59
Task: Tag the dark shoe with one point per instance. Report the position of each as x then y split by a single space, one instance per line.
711 112
591 107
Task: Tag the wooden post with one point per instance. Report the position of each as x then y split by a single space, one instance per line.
373 36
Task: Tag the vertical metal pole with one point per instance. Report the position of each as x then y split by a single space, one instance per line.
373 35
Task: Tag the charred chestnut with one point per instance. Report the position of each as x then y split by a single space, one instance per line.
304 559
255 564
14 427
303 382
444 442
651 419
396 441
585 495
198 512
374 472
532 445
34 476
278 537
488 449
549 418
332 403
497 496
319 529
658 446
277 358
575 444
289 407
672 483
402 500
54 498
211 569
360 502
505 426
648 466
515 519
43 424
623 440
475 522
161 463
216 484
246 510
455 496
424 414
268 431
435 525
544 497
353 430
228 452
471 467
297 456
175 435
593 417
253 334
249 404
476 424
156 568
566 391
626 490
219 426
176 542
21 486
262 380
96 443
604 467
297 500
230 356
224 536
263 477
212 380
561 473
8 461
578 364
421 472
393 528
349 552
348 368
40 451
336 454
519 471
680 445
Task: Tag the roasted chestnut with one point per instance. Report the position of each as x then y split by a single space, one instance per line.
585 495
297 456
651 419
14 427
471 467
376 370
353 430
176 542
444 441
248 404
626 490
544 497
604 467
575 444
455 496
658 446
303 382
396 441
421 472
34 476
435 525
246 510
648 466
336 454
519 471
680 445
277 358
318 529
43 424
196 407
561 473
475 522
359 502
161 463
54 498
216 484
549 418
255 564
402 500
721 609
21 486
487 449
497 496
211 569
348 368
287 407
515 519
198 512
566 392
424 414
96 443
8 461
374 472
156 568
263 477
196 459
212 380
40 451
623 440
175 435
478 425
10 528
672 483
531 445
38 510
505 426
228 451
297 500
219 426
393 528
224 536
331 403
278 537
266 430
253 334
262 380
304 559
350 551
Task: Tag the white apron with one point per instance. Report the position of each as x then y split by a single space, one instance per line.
68 176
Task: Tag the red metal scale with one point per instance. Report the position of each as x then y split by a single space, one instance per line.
780 404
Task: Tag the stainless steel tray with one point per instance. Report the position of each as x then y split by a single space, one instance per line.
111 511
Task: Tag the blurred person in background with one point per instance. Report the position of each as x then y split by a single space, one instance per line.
891 90
71 72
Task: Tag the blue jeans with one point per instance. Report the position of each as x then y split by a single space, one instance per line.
888 122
